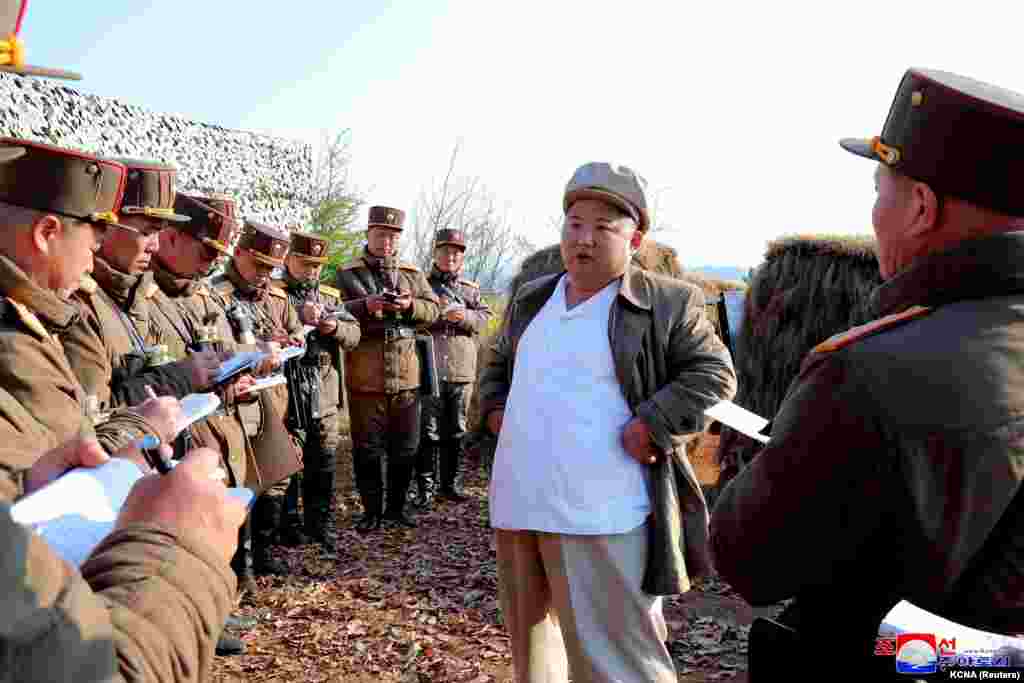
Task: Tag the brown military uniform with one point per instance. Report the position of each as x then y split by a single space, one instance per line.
33 367
271 318
144 602
178 311
143 608
896 455
383 372
107 349
455 347
317 390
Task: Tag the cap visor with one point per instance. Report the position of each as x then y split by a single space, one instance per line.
11 153
28 70
383 225
450 244
859 146
311 259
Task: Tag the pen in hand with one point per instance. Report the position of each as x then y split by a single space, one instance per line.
150 446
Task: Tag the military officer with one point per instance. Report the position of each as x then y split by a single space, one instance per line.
55 207
260 314
894 466
463 315
126 613
108 347
316 386
190 321
391 300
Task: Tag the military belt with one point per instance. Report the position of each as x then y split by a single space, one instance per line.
393 334
450 330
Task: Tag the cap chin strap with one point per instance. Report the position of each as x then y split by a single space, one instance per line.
12 52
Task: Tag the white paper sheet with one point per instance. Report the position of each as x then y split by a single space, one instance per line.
75 512
906 617
290 352
267 383
195 407
740 419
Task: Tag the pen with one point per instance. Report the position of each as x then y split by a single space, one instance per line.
150 447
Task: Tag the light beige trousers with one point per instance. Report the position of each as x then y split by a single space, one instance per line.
574 602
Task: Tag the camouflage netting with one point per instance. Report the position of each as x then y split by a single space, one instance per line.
808 289
652 256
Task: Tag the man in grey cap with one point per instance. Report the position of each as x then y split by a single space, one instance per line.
592 495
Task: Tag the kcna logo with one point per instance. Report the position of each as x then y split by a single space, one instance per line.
924 653
917 653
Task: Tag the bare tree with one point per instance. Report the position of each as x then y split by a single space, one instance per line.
465 203
335 200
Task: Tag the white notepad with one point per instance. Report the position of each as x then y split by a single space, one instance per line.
266 383
196 407
740 419
78 510
290 352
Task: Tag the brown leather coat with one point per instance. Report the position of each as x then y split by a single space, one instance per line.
671 367
378 365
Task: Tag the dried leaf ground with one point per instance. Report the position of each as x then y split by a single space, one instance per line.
421 606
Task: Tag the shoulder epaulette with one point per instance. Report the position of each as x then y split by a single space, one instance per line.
352 265
202 290
469 283
330 291
409 266
277 291
28 318
151 290
854 334
87 285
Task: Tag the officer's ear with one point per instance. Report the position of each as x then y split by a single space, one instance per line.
44 230
926 209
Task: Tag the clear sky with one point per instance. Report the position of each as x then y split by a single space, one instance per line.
732 110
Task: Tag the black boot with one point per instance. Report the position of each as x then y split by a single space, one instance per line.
290 533
426 475
451 454
399 475
229 645
266 518
242 561
371 519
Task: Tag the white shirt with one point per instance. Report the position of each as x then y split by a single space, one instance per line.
560 465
